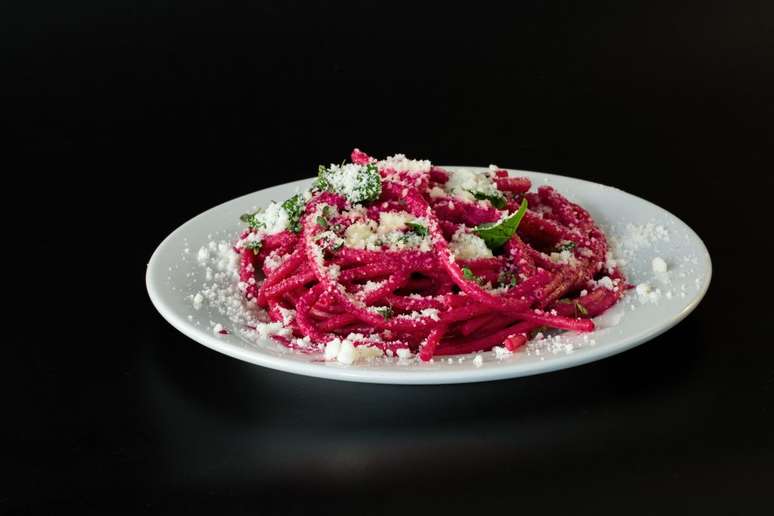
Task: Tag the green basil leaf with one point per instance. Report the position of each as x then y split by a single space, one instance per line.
496 234
384 311
498 201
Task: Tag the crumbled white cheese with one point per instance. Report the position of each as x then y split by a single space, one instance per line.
288 315
659 265
391 231
611 262
647 294
391 221
478 361
564 258
345 352
221 290
347 180
436 192
274 219
198 299
203 255
332 349
432 313
399 163
266 330
361 235
404 353
467 246
606 282
501 352
273 260
464 181
371 286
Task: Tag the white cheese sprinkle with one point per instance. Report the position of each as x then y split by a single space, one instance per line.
659 265
198 299
400 163
274 218
467 246
463 181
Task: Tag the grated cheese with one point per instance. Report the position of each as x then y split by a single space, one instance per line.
467 246
400 163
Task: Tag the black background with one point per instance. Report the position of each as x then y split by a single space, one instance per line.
132 117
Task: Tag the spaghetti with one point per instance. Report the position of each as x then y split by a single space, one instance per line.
401 257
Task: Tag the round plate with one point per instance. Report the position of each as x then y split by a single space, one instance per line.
639 230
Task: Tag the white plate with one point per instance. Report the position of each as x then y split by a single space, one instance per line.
174 276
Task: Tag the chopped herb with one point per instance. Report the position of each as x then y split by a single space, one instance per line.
384 311
294 207
468 275
251 220
322 220
495 234
336 247
321 183
507 278
565 246
418 229
255 245
498 201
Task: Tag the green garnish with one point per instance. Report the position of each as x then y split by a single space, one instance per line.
294 207
321 182
416 228
495 234
565 246
498 201
468 275
358 183
255 245
384 311
507 278
322 220
337 246
250 219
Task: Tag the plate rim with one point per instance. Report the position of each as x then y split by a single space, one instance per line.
414 376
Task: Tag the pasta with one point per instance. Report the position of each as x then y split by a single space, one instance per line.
401 257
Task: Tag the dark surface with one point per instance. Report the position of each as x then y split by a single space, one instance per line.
134 118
